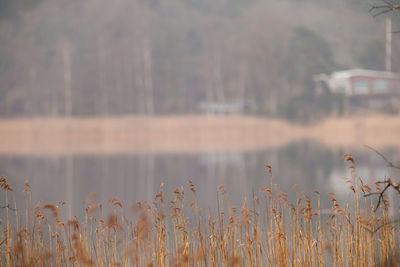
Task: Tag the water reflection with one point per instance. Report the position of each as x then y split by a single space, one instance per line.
137 177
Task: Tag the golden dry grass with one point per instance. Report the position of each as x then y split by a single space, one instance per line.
267 230
375 130
185 134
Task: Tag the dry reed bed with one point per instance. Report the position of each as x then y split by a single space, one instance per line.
185 134
267 230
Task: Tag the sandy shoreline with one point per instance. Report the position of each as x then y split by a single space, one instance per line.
185 134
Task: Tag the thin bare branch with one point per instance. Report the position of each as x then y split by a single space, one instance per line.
389 183
380 226
386 7
389 163
7 206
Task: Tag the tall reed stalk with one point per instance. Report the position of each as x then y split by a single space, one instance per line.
268 230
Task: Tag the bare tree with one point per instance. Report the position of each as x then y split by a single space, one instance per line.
389 183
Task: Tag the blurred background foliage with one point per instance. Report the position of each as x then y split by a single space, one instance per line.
165 57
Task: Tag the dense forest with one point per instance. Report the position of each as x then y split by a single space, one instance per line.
151 57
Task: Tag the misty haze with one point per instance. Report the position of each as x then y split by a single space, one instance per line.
121 101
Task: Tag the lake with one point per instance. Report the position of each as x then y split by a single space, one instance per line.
134 177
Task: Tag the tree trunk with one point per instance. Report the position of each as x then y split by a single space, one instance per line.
148 82
217 75
67 80
101 75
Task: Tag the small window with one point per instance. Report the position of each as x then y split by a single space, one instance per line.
380 86
360 87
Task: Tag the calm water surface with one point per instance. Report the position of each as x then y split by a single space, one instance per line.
138 177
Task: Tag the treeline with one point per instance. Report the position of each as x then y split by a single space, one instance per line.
98 57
